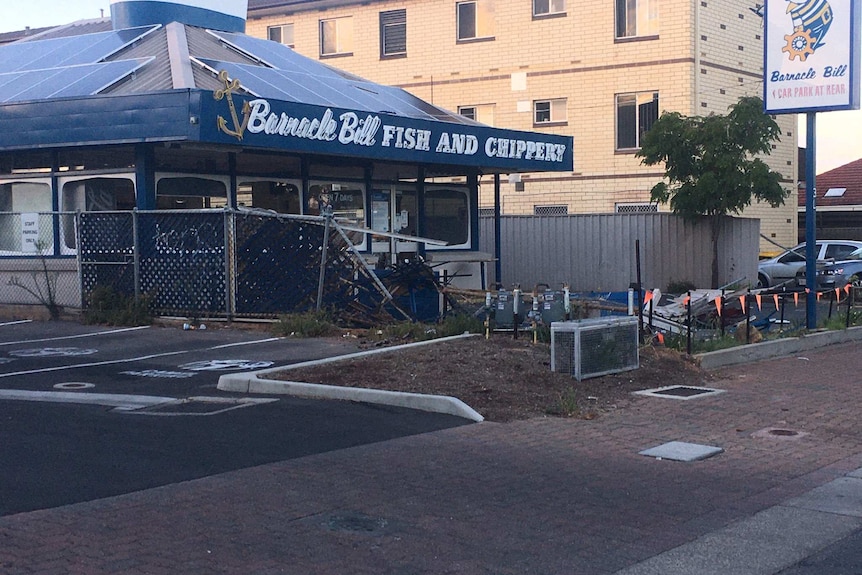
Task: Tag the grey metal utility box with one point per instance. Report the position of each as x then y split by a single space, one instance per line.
594 347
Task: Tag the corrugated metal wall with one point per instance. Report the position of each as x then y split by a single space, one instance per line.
597 251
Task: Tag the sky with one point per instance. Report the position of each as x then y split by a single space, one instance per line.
839 134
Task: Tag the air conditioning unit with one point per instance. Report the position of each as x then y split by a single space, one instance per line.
594 347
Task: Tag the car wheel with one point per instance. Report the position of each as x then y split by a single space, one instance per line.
762 282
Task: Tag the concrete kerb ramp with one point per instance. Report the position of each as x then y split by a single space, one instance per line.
776 348
257 382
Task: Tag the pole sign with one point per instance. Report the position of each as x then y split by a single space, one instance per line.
811 56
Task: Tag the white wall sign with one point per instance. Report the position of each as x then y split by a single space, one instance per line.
811 56
30 233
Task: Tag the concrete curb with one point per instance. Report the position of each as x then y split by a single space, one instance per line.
776 348
256 382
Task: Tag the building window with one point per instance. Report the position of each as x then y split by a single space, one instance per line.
393 33
268 194
550 210
347 201
483 113
636 18
282 34
447 215
25 228
548 7
475 19
99 194
186 192
549 111
635 114
336 36
635 208
486 212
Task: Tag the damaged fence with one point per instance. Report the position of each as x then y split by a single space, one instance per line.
205 263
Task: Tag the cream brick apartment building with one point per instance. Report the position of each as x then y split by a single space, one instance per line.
600 71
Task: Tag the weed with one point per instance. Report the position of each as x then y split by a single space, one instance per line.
305 324
108 306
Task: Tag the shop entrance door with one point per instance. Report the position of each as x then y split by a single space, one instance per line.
393 211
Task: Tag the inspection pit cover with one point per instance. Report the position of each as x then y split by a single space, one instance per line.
679 392
681 451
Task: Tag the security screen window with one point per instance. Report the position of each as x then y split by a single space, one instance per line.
635 115
447 215
274 195
475 19
336 36
94 195
190 193
25 228
636 18
393 33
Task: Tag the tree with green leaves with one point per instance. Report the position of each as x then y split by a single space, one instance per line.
712 168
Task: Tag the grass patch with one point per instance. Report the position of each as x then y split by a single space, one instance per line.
107 306
305 324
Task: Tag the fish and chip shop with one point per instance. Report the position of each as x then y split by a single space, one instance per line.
166 153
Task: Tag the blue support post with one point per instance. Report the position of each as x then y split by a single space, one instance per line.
810 220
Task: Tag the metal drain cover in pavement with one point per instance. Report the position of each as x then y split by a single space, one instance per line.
680 392
681 451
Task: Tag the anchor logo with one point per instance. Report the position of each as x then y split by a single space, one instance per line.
230 86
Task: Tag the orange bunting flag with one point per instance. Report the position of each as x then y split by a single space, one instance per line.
775 299
647 297
796 298
757 298
718 305
847 289
686 299
742 303
660 338
818 295
837 294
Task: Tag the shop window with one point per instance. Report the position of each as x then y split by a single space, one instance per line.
635 115
190 193
475 20
549 111
347 201
393 33
94 195
275 195
636 18
483 113
447 215
548 7
336 36
282 34
26 225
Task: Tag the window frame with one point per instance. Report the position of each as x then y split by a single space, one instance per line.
553 107
483 30
482 113
639 122
430 190
13 234
624 20
385 26
281 28
550 12
341 35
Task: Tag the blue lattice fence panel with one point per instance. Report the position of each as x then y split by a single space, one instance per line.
106 253
182 261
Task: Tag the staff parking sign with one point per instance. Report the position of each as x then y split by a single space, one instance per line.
811 56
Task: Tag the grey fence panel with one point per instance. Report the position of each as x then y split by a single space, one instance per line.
596 252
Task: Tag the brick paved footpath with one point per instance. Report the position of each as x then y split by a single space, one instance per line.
545 496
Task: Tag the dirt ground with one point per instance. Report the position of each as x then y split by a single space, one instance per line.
505 379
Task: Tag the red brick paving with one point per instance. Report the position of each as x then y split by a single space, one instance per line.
544 496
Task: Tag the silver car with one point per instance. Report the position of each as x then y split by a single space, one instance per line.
782 269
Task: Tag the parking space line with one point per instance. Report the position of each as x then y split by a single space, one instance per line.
226 345
95 363
80 335
15 322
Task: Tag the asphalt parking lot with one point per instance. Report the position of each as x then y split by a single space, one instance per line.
88 412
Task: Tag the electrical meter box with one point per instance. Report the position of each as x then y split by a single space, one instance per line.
504 312
553 307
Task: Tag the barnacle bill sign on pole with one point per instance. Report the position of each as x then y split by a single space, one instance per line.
810 64
811 56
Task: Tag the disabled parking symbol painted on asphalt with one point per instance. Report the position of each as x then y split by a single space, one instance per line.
225 364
